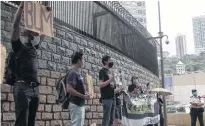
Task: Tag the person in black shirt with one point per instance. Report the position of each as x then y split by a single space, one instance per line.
159 100
134 88
26 90
75 86
107 91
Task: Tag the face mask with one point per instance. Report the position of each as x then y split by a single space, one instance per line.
110 64
35 41
195 93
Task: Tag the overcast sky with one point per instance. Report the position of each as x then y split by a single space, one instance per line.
176 17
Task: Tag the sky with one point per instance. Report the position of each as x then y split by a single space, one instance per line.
176 18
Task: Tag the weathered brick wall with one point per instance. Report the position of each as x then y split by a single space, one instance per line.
54 60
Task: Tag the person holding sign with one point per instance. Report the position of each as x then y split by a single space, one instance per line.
26 86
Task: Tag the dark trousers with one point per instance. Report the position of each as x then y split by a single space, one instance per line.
108 112
196 112
26 100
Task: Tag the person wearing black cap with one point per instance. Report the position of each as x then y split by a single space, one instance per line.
196 109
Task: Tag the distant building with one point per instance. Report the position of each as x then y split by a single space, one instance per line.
181 48
199 33
137 9
180 68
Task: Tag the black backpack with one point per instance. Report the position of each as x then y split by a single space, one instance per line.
63 97
11 69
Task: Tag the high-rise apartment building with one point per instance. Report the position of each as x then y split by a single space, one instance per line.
199 33
137 9
181 45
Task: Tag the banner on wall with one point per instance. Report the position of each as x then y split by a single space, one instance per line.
139 111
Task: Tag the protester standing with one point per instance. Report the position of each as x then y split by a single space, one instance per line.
196 109
76 88
107 91
26 86
160 101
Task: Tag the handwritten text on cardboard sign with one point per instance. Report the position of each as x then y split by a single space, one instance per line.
37 18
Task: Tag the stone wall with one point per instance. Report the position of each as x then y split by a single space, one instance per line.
54 60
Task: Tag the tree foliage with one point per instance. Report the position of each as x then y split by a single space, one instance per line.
192 62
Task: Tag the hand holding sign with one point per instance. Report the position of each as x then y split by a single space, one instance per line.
38 18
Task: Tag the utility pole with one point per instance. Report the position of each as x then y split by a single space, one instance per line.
162 65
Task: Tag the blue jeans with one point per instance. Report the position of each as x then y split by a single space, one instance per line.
108 112
77 114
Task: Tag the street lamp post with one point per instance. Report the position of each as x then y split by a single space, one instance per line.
160 37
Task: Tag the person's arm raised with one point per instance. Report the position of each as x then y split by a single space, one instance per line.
15 35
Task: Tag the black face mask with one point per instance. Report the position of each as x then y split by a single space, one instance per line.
110 64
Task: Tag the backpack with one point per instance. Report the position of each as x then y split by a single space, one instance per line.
63 97
11 69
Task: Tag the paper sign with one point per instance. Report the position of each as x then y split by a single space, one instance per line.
3 62
89 81
37 18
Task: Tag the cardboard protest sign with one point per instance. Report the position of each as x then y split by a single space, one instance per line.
3 62
89 81
37 18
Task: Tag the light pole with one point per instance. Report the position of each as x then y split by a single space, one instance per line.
160 37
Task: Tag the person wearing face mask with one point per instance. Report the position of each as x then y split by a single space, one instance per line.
107 91
134 88
196 109
26 86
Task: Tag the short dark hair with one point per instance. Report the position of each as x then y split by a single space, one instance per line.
193 90
105 58
76 56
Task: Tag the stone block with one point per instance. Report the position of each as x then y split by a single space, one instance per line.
55 74
56 123
2 24
77 40
61 51
45 90
5 15
57 115
48 108
42 63
73 46
51 99
48 123
12 106
66 123
46 55
43 46
51 66
8 26
61 68
88 115
60 33
51 82
9 116
65 44
56 41
5 88
99 108
93 108
10 97
95 115
90 44
43 73
64 115
5 106
6 124
39 123
65 60
48 39
68 53
42 98
47 116
57 108
51 48
84 42
43 80
96 89
5 36
41 107
38 116
56 58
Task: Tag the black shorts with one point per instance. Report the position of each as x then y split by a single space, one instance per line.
118 114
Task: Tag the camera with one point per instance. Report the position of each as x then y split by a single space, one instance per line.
167 41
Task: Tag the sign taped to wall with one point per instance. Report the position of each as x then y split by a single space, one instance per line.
37 18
